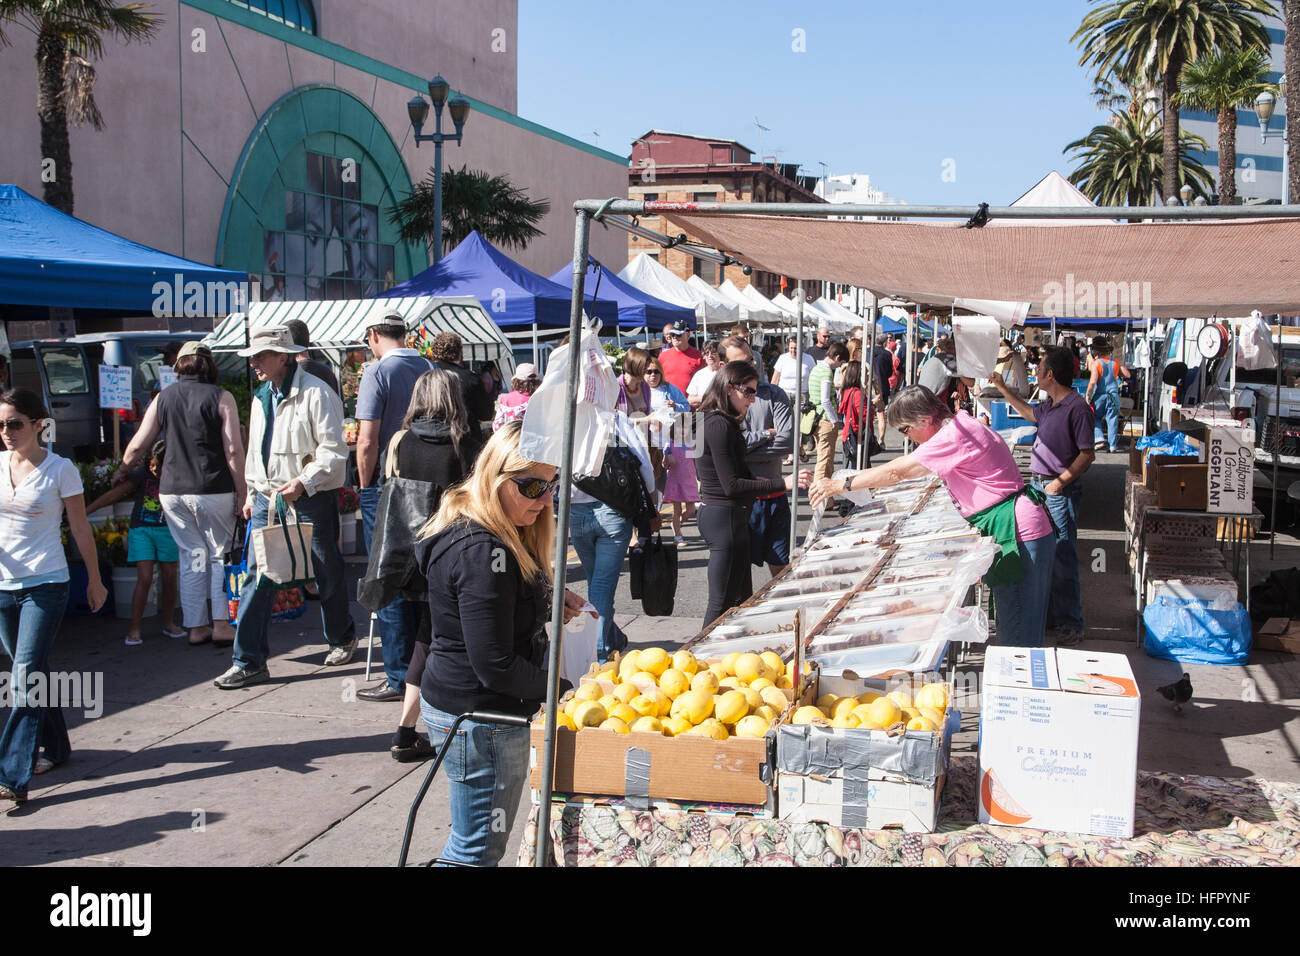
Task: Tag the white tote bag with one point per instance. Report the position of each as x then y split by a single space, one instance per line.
282 549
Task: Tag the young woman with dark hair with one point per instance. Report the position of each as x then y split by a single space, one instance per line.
36 488
727 487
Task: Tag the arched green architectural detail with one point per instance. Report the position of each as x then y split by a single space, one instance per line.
329 122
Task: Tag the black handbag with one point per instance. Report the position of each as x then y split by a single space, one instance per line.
620 486
652 577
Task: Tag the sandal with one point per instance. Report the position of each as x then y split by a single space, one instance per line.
176 634
7 794
43 765
133 640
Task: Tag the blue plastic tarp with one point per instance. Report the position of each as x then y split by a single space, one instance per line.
512 295
51 259
1132 324
636 309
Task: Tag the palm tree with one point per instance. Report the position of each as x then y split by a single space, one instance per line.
69 35
1120 164
1133 38
1220 82
1291 59
501 212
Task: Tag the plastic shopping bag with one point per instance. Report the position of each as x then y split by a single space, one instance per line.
578 648
542 439
1255 344
1197 632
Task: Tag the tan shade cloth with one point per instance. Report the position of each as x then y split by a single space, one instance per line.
1088 271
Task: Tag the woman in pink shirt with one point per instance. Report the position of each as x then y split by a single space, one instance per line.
981 475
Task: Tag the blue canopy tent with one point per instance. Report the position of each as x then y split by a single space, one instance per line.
513 296
885 324
1087 323
636 309
49 259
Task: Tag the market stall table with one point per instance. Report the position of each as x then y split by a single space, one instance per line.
1181 821
1145 524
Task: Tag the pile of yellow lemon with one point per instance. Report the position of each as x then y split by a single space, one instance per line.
872 711
741 695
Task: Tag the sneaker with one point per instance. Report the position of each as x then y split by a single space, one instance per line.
1065 638
238 677
43 765
679 540
341 654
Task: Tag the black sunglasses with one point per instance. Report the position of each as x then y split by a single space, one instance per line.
904 429
13 425
534 488
747 390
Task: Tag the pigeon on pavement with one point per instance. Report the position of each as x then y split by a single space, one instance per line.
1180 692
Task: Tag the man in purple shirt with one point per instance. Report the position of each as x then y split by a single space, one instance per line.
1062 453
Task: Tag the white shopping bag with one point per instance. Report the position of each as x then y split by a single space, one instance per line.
542 439
977 338
578 649
282 549
1255 344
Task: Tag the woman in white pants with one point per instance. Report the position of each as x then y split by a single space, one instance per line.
201 487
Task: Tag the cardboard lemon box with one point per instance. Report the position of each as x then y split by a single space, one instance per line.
642 766
859 777
1058 740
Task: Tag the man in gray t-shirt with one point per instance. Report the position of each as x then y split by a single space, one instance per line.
382 399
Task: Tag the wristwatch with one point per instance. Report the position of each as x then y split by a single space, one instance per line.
848 483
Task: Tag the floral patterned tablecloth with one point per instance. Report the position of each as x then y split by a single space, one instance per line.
1181 821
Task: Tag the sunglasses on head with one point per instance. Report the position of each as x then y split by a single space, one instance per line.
534 488
13 424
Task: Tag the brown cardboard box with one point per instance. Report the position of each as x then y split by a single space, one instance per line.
1135 456
1182 487
1279 634
1154 463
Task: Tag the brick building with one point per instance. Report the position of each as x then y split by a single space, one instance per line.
679 167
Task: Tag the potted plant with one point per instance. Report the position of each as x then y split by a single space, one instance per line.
349 508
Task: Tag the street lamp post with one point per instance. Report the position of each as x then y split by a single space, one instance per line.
1265 104
418 110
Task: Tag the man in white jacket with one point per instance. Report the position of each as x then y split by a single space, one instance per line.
296 451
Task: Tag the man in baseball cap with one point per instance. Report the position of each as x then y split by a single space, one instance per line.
681 362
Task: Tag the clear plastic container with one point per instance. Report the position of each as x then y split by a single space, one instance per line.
782 642
934 571
815 602
819 584
756 620
870 606
925 552
853 564
879 659
849 635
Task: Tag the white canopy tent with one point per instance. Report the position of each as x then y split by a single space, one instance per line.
750 311
750 294
650 277
335 324
840 319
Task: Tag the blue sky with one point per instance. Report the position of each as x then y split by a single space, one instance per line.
887 89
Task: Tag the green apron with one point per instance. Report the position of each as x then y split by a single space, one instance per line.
999 523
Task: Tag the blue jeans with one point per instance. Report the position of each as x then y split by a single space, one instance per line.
1108 409
1022 606
321 511
396 622
601 535
1065 605
29 622
486 766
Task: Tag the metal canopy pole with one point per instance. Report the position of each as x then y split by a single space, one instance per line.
1277 446
581 234
798 417
864 451
635 207
536 360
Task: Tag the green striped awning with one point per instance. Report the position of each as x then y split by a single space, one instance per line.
337 323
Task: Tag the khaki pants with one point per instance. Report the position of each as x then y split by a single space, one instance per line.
826 440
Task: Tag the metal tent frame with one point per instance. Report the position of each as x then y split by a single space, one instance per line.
623 214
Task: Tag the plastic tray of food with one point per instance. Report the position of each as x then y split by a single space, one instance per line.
819 584
854 564
934 571
753 620
792 602
882 658
903 630
925 552
714 646
870 606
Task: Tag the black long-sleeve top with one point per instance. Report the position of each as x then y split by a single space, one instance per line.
484 617
725 478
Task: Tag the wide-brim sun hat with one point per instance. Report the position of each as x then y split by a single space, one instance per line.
271 338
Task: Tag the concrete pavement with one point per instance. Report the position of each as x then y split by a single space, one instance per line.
297 771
